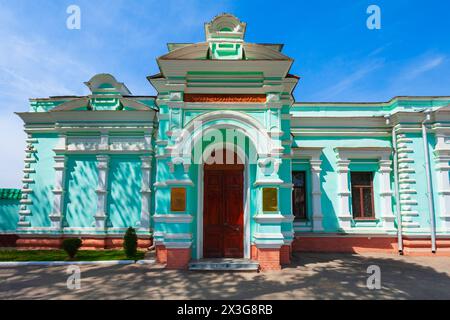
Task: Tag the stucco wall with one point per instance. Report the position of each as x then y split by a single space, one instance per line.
9 215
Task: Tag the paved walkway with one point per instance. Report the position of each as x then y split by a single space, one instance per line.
311 276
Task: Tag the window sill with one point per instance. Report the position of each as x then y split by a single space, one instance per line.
365 223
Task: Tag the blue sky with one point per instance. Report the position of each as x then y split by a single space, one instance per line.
337 56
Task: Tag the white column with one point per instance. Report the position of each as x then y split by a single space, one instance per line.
104 141
443 191
58 191
102 192
145 191
61 145
387 215
316 194
344 214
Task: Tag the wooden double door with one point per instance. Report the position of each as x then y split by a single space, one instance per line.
223 211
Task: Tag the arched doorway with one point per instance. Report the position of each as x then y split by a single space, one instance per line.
223 205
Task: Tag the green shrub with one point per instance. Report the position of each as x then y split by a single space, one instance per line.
130 243
71 246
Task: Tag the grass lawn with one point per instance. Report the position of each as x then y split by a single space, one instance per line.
60 255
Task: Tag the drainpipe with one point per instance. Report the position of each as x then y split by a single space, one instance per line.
429 187
397 193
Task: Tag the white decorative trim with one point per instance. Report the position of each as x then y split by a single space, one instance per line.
387 214
173 218
269 244
178 236
81 144
102 190
185 182
268 182
380 153
442 159
383 156
128 144
146 165
58 191
257 235
344 215
313 155
272 218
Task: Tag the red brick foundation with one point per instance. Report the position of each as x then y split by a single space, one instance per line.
89 243
343 244
253 252
161 254
178 258
285 255
269 259
422 247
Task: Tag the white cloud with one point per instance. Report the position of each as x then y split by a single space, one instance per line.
347 84
29 67
423 65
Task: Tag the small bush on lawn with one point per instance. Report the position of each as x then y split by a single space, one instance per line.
130 243
71 246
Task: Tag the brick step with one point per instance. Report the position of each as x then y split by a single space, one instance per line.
224 265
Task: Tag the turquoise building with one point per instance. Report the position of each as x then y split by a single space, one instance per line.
223 163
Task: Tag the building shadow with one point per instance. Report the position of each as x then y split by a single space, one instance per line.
310 276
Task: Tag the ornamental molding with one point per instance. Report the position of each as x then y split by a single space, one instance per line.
99 143
380 153
310 153
273 218
225 98
127 144
173 218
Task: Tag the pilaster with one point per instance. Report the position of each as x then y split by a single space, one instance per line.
317 216
56 216
407 183
145 191
102 191
344 214
442 160
387 215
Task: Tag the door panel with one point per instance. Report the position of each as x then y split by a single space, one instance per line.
223 215
212 218
233 216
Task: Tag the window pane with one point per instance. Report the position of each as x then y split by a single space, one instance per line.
367 198
356 203
299 203
361 178
298 178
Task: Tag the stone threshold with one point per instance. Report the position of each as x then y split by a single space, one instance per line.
224 264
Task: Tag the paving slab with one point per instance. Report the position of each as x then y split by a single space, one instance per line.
310 276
